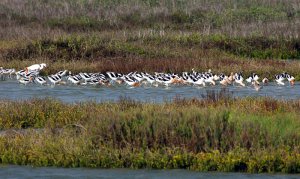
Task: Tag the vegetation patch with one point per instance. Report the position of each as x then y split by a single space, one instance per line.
81 23
251 47
81 47
95 47
250 135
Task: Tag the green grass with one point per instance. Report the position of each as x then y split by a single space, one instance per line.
94 46
214 134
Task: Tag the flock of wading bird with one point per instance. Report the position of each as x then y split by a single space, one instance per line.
134 79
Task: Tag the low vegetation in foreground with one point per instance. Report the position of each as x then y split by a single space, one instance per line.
216 133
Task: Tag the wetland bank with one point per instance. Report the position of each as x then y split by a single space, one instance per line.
215 133
212 134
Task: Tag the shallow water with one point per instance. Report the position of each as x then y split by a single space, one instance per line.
11 89
11 171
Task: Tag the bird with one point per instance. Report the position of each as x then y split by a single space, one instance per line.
265 81
135 78
224 80
7 72
238 78
291 79
131 81
54 79
198 81
208 78
279 78
253 77
62 73
41 80
116 77
150 79
138 76
256 85
162 80
73 79
35 67
25 81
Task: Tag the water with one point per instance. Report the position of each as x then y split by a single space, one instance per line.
65 173
69 93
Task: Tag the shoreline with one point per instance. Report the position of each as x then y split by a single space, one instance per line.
28 171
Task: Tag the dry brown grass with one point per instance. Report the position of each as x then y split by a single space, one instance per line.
31 18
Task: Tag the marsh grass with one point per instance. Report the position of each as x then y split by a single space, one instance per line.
231 17
214 133
95 46
172 53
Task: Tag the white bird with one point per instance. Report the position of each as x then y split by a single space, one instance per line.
198 81
131 81
290 78
138 76
253 77
54 79
150 79
86 77
35 67
279 79
165 80
25 81
62 73
40 80
73 79
208 78
238 78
